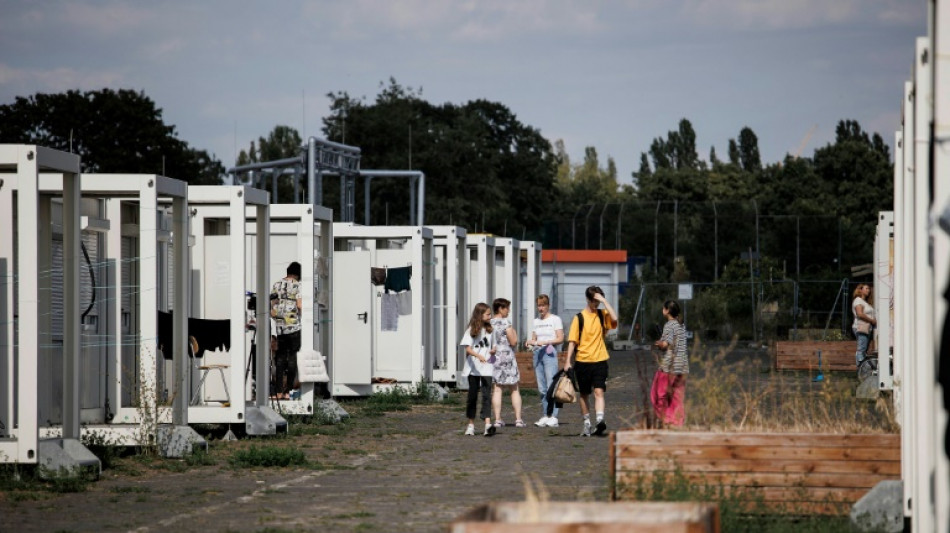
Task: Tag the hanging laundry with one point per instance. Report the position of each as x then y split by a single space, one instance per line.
390 311
209 334
404 300
377 275
397 279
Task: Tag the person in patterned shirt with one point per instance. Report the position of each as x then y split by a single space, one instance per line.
668 392
286 304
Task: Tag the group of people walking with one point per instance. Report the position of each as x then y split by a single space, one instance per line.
490 341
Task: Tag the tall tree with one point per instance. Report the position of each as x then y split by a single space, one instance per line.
749 150
112 131
484 169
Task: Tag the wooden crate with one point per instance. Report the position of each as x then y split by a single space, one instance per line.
589 517
787 473
525 362
803 355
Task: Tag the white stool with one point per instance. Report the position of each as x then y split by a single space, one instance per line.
205 370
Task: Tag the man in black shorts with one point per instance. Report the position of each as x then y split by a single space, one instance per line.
586 339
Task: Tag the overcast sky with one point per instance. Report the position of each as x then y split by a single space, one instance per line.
607 74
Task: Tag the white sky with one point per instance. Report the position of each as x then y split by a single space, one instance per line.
607 74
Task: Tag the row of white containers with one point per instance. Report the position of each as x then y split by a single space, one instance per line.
91 270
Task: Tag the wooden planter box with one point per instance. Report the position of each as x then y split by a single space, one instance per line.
803 355
589 517
782 472
525 362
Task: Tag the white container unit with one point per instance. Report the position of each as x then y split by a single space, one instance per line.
450 304
301 233
219 391
380 331
131 266
29 331
508 274
530 287
481 270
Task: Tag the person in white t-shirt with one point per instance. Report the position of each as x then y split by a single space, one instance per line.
864 320
479 348
546 336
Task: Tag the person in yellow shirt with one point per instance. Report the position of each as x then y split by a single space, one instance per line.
586 339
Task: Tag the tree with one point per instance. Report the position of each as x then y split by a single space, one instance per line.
484 168
749 157
281 143
112 131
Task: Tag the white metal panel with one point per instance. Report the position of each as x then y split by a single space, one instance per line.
905 310
941 250
925 435
351 361
884 296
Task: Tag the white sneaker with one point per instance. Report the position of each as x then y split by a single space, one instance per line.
470 430
552 422
543 421
586 432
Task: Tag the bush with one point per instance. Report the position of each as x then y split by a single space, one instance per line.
267 456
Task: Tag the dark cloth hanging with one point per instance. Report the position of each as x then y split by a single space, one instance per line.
209 334
377 275
397 279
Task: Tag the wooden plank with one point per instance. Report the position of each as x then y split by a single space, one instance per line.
887 468
761 453
750 479
807 440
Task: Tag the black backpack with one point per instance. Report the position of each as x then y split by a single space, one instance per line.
580 323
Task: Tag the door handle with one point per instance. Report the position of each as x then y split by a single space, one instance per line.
362 316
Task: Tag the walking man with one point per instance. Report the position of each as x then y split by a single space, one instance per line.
286 304
586 340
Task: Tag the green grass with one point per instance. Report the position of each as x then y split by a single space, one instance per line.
267 457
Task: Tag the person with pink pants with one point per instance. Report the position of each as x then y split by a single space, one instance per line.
668 393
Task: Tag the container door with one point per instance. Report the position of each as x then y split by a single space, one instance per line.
351 361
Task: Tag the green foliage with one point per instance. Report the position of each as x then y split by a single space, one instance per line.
485 170
112 131
267 457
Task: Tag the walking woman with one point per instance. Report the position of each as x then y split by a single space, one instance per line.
864 320
669 384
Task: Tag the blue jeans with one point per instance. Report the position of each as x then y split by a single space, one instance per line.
545 366
864 339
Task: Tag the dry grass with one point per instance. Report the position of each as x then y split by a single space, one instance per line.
730 394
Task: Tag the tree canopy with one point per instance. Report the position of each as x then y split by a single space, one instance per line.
111 130
485 170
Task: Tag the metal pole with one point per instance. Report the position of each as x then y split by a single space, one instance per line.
312 198
656 233
798 244
752 290
366 185
619 222
602 211
716 241
756 206
676 207
587 227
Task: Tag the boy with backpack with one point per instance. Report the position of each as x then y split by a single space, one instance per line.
586 339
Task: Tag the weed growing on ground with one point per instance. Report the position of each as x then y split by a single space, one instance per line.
267 456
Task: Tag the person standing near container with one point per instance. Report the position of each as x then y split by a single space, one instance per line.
668 392
864 320
587 338
546 337
286 304
477 343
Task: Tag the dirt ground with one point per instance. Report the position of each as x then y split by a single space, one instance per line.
402 471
